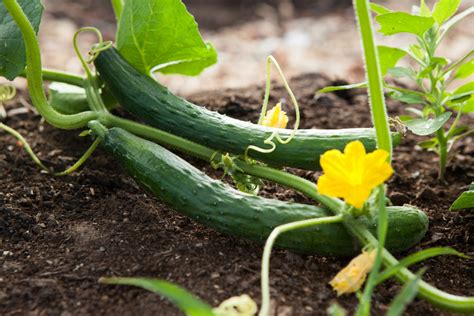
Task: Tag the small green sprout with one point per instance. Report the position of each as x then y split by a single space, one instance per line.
441 87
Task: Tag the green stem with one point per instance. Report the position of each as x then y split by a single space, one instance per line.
443 153
25 145
59 76
265 308
382 227
374 77
81 161
118 8
34 75
159 136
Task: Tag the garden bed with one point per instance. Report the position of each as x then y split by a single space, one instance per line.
60 235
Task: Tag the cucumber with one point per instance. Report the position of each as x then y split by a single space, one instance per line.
216 205
147 99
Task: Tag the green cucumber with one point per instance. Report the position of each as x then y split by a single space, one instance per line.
216 205
147 99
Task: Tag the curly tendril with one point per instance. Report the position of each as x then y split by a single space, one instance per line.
7 92
275 135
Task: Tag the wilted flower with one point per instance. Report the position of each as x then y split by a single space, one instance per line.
351 278
237 306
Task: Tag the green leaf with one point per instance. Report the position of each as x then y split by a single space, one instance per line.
465 95
389 57
456 19
428 144
336 310
465 200
444 9
417 51
415 111
406 296
401 22
465 70
458 130
67 99
401 72
427 126
416 258
161 35
377 8
406 97
424 9
189 304
12 48
344 87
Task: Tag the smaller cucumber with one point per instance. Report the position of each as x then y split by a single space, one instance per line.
215 204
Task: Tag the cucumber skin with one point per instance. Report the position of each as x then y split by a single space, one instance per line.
215 204
147 99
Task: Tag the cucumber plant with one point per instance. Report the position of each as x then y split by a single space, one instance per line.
183 51
443 87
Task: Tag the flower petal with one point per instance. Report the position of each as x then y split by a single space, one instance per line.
331 187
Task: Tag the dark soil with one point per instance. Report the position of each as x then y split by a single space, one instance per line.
58 236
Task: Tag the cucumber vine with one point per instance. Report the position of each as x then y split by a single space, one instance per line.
99 120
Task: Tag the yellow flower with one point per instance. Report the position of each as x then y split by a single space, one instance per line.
276 118
351 278
237 306
353 175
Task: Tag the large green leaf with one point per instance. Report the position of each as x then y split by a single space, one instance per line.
402 22
189 304
161 35
389 57
444 9
12 48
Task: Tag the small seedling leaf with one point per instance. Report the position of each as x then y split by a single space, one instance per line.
379 9
428 144
389 57
401 72
427 126
424 9
161 35
464 201
187 302
336 310
406 97
415 112
402 22
12 47
462 98
444 9
344 87
465 70
406 296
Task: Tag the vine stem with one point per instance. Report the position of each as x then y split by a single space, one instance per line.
384 141
35 77
25 145
265 308
374 76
